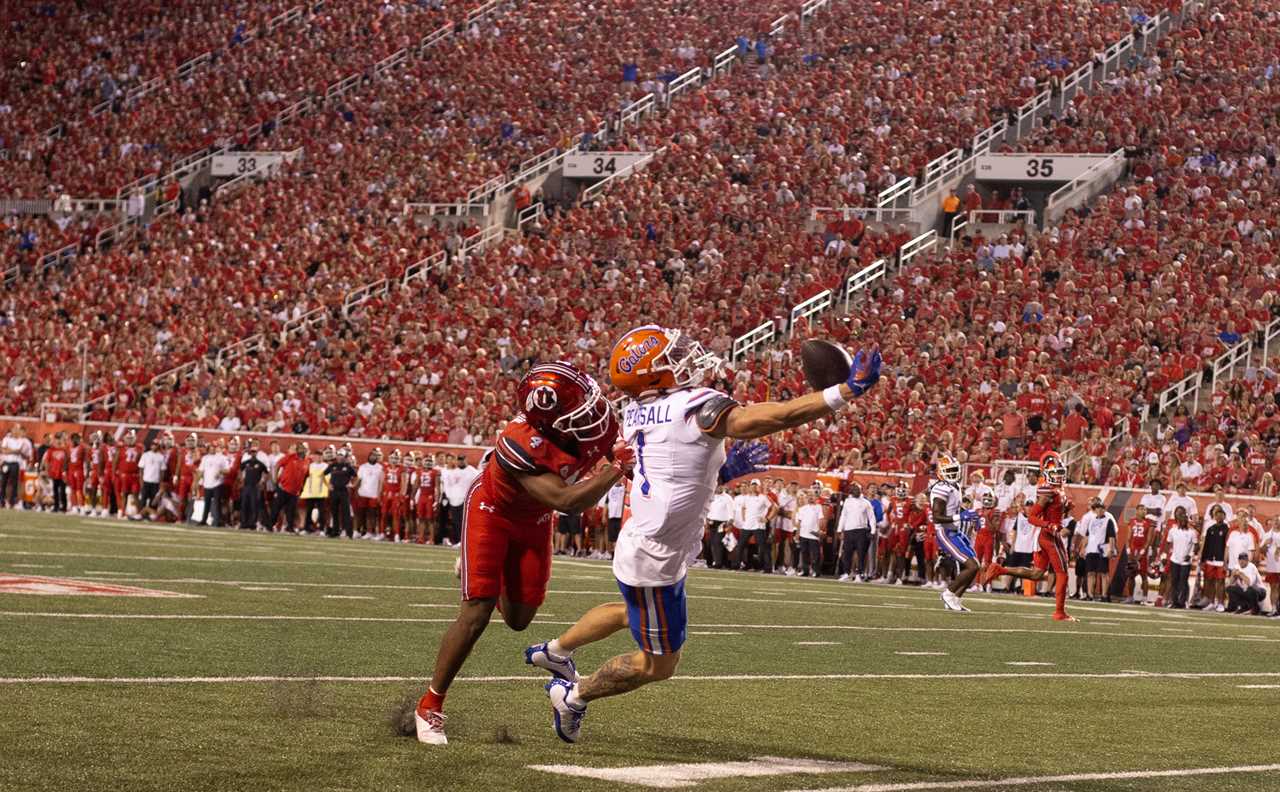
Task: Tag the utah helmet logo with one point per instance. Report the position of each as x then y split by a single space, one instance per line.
542 398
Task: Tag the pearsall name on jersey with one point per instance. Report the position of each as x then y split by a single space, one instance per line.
646 415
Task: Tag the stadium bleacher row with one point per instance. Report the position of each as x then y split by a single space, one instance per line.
843 108
62 59
251 243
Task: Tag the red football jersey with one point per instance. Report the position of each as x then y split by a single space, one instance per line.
427 482
187 465
127 460
1138 534
898 510
521 449
76 458
233 472
391 479
56 462
1047 515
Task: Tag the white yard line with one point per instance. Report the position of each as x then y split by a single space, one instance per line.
817 643
688 774
990 676
710 632
35 566
1259 687
1063 632
346 596
1026 663
922 654
264 588
1046 781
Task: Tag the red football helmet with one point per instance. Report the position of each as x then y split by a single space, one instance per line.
558 398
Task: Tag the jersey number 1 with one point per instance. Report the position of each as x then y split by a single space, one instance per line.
644 480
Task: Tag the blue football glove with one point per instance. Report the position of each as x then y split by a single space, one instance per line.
864 373
743 459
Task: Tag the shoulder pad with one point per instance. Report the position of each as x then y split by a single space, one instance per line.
712 411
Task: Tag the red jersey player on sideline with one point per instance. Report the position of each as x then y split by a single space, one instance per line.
77 459
392 508
184 477
1046 515
565 428
425 497
128 479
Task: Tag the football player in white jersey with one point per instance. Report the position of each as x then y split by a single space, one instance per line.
677 429
953 540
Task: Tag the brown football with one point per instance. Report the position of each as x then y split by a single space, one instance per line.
824 363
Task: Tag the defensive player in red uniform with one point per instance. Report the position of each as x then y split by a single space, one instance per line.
899 534
55 467
94 488
185 475
1046 515
984 542
128 479
231 484
545 461
77 464
392 498
426 495
1141 533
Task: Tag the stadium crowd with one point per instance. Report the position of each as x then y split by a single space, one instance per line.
267 268
61 58
1002 365
737 224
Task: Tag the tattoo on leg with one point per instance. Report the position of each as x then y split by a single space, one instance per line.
618 675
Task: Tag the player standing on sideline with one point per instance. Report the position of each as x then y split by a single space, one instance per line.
127 478
77 455
677 430
1047 515
1140 534
950 525
393 487
564 430
427 499
185 477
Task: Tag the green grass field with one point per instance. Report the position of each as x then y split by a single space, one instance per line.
283 669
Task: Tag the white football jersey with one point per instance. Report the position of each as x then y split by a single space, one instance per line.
677 467
948 492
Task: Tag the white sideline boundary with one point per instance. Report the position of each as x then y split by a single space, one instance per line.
1000 783
1063 632
987 676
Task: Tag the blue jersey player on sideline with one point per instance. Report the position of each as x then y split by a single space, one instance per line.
949 527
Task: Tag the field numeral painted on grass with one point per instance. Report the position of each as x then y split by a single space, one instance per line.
676 776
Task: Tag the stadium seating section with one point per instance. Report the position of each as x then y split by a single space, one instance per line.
988 345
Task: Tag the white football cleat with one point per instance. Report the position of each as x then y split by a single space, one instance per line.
457 567
430 725
560 667
566 718
952 602
842 579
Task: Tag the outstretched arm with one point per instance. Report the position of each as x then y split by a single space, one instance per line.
757 420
